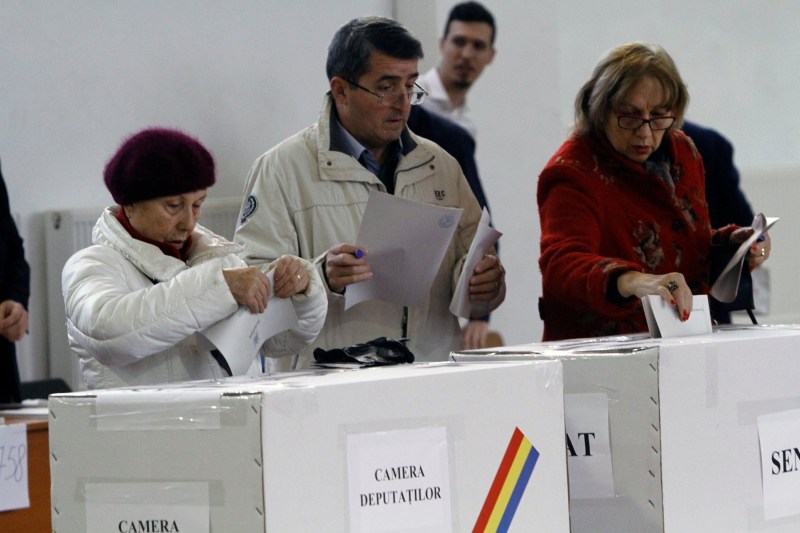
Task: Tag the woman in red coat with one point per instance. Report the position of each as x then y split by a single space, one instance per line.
622 203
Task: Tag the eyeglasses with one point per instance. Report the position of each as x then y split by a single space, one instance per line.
632 122
390 98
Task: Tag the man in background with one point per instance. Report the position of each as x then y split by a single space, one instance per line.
14 292
726 201
466 48
727 204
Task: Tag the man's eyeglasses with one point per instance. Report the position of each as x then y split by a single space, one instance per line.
390 98
632 122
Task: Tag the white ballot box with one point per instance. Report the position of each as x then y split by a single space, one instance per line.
431 447
671 434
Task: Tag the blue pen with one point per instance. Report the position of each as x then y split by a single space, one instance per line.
358 253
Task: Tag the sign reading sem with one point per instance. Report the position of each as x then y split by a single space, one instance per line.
399 481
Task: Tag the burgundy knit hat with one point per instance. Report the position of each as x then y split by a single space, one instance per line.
158 162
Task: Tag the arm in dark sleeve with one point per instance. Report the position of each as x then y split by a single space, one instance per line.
726 200
455 140
15 282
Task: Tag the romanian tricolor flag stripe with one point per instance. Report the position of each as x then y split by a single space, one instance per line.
509 485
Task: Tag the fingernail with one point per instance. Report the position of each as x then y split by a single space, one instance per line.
673 302
686 315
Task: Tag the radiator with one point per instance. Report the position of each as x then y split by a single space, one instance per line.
66 232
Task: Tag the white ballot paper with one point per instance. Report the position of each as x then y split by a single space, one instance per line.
406 242
484 239
727 284
662 318
240 336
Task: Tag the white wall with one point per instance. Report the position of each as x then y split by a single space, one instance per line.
241 75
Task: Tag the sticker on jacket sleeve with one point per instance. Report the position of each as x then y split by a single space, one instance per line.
248 208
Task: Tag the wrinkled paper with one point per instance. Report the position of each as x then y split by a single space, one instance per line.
727 284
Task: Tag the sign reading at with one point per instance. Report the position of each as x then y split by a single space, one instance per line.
399 481
588 446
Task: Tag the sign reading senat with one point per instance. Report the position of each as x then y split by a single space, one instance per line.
779 439
588 446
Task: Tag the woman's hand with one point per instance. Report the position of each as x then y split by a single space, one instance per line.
249 286
291 277
671 287
759 251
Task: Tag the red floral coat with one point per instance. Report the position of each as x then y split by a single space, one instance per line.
603 214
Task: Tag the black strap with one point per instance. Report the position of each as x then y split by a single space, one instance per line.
216 354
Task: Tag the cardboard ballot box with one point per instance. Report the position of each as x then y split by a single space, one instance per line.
433 447
683 444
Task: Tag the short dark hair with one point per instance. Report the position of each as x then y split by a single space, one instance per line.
470 12
353 44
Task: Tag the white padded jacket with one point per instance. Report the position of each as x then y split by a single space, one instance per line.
132 312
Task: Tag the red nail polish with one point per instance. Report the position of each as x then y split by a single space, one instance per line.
673 302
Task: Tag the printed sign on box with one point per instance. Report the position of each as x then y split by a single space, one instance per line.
399 481
13 467
779 437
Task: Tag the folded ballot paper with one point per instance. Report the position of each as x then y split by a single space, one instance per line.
663 321
727 284
240 336
485 238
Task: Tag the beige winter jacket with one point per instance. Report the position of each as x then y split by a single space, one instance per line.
302 198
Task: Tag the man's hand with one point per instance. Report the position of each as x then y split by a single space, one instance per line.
488 280
13 320
346 264
475 333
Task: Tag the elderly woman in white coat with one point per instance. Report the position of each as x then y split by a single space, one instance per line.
154 277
